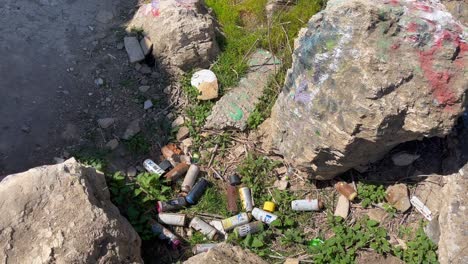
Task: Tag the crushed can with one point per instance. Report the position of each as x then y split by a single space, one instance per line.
152 167
179 170
171 205
232 196
264 216
201 248
246 199
237 220
307 205
199 225
249 228
197 191
165 234
190 178
346 190
171 219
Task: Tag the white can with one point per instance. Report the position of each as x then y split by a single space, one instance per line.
171 219
190 178
263 216
246 199
152 167
209 231
306 205
237 220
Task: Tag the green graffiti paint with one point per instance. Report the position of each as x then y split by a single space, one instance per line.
330 44
236 112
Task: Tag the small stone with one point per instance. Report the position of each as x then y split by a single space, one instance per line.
131 172
138 66
145 69
291 261
281 170
106 122
112 144
167 90
144 88
188 142
397 196
206 83
178 121
133 48
58 160
342 207
183 133
140 168
26 129
377 214
281 184
99 82
148 104
132 129
170 116
120 45
146 45
404 159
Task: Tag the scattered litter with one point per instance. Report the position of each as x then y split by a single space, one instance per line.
249 228
246 199
263 216
421 207
234 180
342 207
197 191
232 195
171 205
346 190
152 167
269 206
307 205
201 248
219 226
199 225
234 221
179 170
171 219
165 234
206 83
190 178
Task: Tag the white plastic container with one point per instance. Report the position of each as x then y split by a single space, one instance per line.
263 216
171 219
306 205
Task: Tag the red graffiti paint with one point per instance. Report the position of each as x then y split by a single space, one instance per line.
412 27
393 2
396 45
422 7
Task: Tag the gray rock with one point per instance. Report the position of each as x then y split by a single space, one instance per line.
178 121
112 144
183 133
148 104
281 184
377 214
133 48
63 214
183 35
99 82
361 83
145 69
397 196
106 122
131 172
235 107
120 45
144 88
225 253
404 159
146 45
132 129
432 230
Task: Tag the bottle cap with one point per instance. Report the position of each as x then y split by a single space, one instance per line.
165 165
234 180
269 206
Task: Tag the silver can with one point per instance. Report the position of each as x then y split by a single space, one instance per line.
190 178
246 199
209 231
237 220
171 219
250 228
264 216
200 248
152 167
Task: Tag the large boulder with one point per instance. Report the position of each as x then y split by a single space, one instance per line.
458 8
226 253
62 214
182 33
368 75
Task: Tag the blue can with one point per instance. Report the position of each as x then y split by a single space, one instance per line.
197 191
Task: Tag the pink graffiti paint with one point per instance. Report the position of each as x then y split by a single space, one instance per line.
412 27
155 8
422 7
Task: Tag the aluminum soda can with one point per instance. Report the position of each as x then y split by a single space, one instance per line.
171 219
200 248
249 228
190 178
307 205
152 167
165 234
197 191
171 205
263 216
237 220
209 231
246 199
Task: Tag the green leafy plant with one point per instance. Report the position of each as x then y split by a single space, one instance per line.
138 144
392 211
420 249
370 193
92 157
152 186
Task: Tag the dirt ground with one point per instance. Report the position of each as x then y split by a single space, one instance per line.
53 55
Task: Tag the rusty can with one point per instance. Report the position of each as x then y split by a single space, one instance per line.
234 180
152 167
200 248
165 234
171 219
237 220
177 171
307 205
250 228
264 216
232 196
246 199
209 231
190 178
171 205
197 191
346 190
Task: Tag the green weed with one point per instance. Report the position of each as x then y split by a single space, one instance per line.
420 248
95 158
370 193
213 201
138 144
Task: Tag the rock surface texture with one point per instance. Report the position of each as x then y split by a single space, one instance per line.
225 253
63 214
235 107
182 33
367 76
458 8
